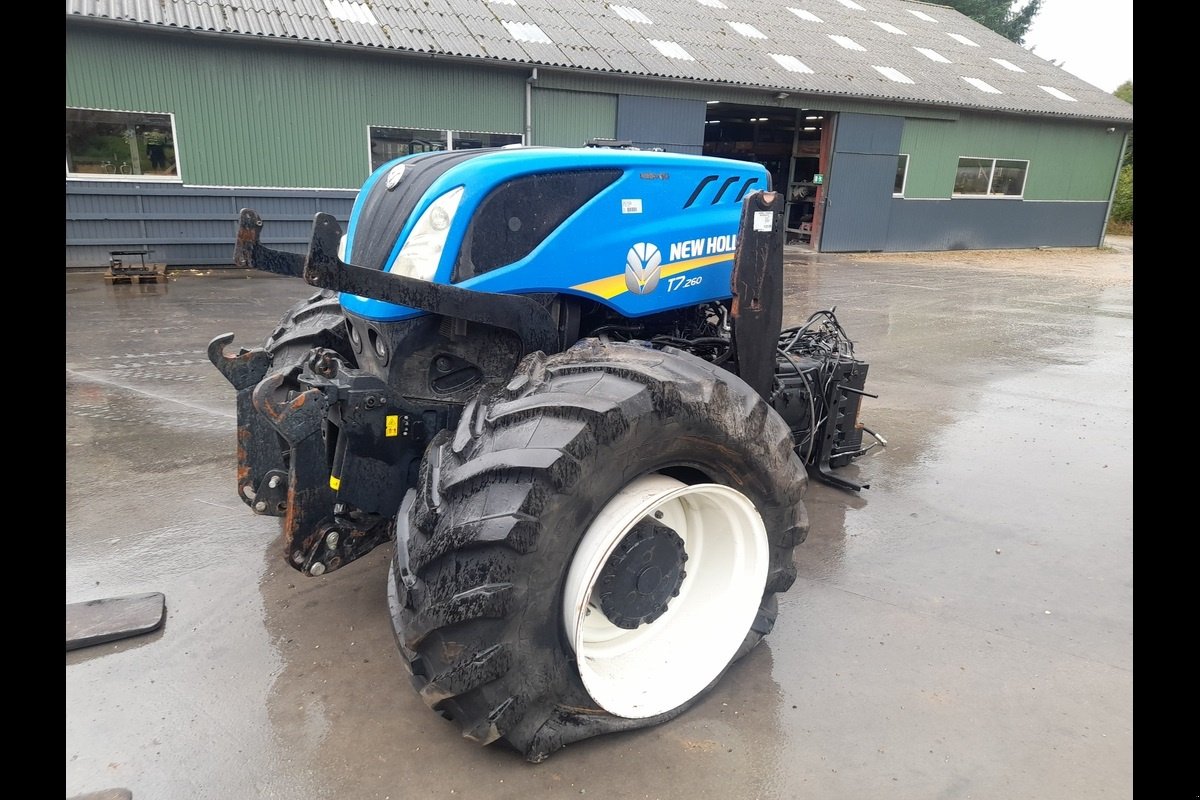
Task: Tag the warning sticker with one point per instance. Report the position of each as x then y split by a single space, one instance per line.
763 220
631 205
391 425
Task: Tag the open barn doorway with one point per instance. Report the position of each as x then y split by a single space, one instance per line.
792 143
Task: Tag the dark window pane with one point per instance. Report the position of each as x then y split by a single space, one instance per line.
468 140
119 143
389 143
973 176
901 172
1009 178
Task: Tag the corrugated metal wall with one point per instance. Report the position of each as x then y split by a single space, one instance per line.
858 189
269 114
1067 160
992 224
570 118
186 226
673 124
1071 168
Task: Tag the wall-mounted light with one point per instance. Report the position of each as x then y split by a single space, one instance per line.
1110 130
711 102
782 96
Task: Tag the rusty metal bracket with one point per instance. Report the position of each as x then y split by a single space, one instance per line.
249 253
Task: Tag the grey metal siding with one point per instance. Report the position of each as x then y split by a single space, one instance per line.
186 226
675 125
858 189
981 224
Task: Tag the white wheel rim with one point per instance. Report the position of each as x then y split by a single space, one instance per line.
662 664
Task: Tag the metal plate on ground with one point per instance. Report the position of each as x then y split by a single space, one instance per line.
112 618
106 794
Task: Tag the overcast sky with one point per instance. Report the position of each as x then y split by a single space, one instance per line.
1093 39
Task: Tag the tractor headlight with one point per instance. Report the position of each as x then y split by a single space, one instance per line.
422 250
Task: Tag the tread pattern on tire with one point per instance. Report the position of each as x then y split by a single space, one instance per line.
316 321
501 503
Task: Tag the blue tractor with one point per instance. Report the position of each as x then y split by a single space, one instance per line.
555 379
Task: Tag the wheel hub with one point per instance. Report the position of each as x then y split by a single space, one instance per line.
642 575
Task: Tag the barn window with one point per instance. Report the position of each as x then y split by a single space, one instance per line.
990 177
117 145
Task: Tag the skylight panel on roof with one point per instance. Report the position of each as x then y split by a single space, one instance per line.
712 3
851 4
893 74
982 86
932 55
351 12
790 63
526 32
671 50
958 37
1061 95
802 14
746 30
920 15
631 14
1008 65
847 42
889 28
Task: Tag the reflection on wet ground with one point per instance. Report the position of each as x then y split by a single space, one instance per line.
961 629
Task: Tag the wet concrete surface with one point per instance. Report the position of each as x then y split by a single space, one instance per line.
962 629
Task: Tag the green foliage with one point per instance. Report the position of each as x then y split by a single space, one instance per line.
1002 16
1122 208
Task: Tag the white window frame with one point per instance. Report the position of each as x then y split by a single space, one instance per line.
904 183
988 195
92 176
449 132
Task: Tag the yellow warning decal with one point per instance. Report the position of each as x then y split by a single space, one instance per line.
614 285
335 483
391 425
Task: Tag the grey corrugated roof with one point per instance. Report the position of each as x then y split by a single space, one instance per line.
589 35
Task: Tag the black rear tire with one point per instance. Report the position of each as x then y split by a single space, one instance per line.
485 541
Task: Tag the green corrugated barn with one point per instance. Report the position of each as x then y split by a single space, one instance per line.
891 125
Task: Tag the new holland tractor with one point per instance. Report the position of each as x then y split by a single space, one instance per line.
555 379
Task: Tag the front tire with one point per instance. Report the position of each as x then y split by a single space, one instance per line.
594 545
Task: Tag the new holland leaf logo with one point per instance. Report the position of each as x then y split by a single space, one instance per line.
642 268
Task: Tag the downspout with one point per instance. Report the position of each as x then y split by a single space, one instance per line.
529 82
1112 194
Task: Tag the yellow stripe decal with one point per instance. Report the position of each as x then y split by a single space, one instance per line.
614 285
335 483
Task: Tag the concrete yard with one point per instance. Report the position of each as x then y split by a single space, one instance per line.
962 629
